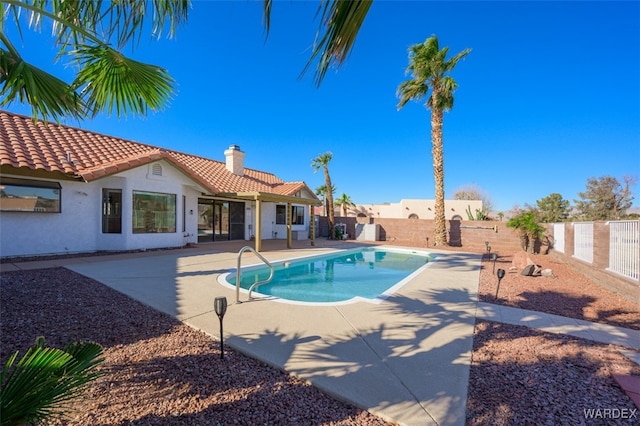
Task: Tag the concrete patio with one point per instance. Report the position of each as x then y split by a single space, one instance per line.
405 359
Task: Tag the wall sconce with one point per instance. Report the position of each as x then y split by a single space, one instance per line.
452 209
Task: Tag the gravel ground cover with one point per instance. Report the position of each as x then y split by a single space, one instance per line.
161 372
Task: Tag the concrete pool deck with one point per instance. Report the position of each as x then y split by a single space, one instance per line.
405 359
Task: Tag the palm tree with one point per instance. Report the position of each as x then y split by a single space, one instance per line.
107 80
322 162
429 68
345 202
45 380
321 192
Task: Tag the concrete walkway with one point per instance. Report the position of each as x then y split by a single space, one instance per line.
405 359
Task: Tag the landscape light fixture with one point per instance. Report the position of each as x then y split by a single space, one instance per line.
488 249
494 257
500 277
220 306
486 244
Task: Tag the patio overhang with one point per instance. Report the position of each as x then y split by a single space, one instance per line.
270 197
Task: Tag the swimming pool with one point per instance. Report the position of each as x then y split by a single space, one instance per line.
369 274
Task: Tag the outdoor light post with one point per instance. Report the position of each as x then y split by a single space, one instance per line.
220 306
486 244
494 257
500 277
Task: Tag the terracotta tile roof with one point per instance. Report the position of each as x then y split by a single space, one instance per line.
56 148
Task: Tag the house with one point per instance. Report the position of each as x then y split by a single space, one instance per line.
68 190
416 209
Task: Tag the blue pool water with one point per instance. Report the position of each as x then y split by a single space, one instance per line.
363 273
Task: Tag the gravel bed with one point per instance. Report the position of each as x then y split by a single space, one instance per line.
161 372
521 376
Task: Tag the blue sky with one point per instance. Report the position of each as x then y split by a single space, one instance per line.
548 98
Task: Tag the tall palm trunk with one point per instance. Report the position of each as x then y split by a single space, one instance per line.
332 216
438 176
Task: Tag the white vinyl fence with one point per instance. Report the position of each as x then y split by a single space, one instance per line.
583 241
558 237
624 248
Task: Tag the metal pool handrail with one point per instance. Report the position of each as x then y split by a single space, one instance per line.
257 283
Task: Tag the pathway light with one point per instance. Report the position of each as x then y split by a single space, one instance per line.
500 277
220 306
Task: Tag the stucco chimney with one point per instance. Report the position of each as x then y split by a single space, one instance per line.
235 160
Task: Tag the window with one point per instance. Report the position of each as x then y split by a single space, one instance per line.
281 215
297 215
111 211
184 213
153 212
26 195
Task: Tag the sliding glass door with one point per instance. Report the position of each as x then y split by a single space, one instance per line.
220 220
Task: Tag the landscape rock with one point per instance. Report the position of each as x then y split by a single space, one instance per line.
520 261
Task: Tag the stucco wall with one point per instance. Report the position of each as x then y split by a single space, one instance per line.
423 209
270 227
73 230
78 228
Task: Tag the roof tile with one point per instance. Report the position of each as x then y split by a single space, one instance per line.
57 148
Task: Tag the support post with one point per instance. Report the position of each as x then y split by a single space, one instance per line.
289 225
258 225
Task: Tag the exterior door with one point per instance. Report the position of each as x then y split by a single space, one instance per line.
220 220
205 220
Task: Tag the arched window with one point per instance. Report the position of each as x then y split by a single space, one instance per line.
413 216
457 217
362 218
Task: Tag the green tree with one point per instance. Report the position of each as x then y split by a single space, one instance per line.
553 208
429 70
94 33
605 199
322 162
345 202
529 230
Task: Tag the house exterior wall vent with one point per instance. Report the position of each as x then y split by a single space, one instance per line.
235 160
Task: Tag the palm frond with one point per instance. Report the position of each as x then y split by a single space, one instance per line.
339 27
321 161
25 83
428 66
411 90
44 380
266 15
111 82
